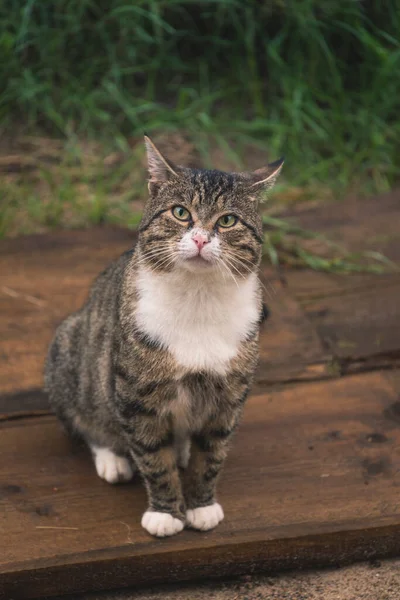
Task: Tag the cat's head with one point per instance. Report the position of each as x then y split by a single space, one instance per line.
202 220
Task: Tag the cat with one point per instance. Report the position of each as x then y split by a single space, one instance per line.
154 370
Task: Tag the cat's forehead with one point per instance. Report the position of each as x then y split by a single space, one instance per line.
207 186
208 190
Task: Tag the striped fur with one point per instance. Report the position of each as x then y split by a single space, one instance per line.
154 370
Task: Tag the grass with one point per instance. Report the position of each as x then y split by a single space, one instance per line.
83 186
317 81
72 186
283 245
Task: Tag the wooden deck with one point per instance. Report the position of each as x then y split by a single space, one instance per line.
314 474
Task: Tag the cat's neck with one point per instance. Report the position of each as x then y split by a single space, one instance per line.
200 319
208 281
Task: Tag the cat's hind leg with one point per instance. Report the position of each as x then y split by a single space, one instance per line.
110 466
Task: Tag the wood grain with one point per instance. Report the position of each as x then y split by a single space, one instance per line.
43 279
356 318
359 224
313 478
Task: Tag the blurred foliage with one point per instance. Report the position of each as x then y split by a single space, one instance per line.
316 79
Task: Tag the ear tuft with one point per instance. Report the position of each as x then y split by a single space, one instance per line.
160 169
267 176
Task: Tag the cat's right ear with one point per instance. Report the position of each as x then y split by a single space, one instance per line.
160 169
266 177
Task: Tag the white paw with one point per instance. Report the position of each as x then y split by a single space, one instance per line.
205 517
161 524
111 467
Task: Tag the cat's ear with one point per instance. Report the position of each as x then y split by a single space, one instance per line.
160 169
265 178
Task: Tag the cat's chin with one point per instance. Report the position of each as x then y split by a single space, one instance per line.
197 263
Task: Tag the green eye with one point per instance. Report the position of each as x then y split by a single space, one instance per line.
181 213
227 221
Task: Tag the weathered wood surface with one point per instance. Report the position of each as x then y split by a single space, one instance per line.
43 279
313 477
361 224
357 318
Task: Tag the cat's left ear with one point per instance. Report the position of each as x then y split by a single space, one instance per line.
265 178
160 169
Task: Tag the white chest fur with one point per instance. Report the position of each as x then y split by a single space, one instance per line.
201 319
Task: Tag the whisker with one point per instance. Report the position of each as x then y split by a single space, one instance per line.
270 292
231 264
221 262
243 259
165 262
160 254
230 259
156 252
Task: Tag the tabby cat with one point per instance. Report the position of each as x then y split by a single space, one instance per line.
153 371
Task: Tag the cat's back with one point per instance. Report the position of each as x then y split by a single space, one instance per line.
107 285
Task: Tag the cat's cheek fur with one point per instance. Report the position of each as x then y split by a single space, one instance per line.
186 247
210 252
161 524
205 517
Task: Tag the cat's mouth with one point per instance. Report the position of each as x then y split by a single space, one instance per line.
197 262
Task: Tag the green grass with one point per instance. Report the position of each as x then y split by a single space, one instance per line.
71 187
315 80
86 189
283 245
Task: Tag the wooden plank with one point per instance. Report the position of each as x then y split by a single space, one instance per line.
360 224
44 278
290 348
312 479
357 318
30 403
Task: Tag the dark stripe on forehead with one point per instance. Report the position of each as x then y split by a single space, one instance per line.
258 237
209 186
219 195
155 216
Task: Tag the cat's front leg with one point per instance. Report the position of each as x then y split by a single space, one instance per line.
152 447
208 454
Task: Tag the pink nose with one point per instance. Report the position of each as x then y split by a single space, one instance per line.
200 239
